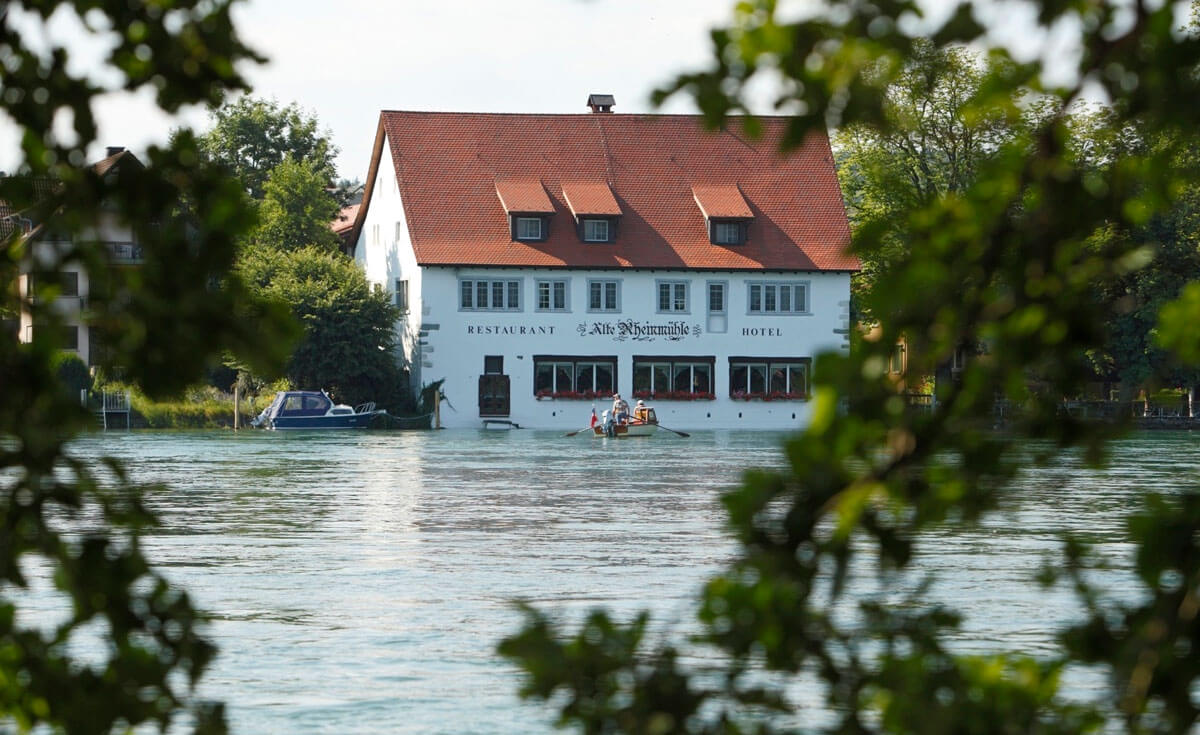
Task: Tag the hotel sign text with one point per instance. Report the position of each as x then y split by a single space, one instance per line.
619 331
631 329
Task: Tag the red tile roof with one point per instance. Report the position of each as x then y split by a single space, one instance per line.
345 219
721 202
451 167
590 197
523 195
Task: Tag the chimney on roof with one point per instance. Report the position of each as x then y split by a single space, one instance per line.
113 150
601 102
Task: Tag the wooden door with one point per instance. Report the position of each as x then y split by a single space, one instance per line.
493 395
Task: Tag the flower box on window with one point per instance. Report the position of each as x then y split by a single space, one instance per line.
572 395
674 395
741 395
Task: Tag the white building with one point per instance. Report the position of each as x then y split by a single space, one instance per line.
48 250
545 261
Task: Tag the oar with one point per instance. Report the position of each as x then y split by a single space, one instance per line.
573 433
684 434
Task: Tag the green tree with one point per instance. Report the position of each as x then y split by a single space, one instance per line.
252 136
1010 261
942 122
1168 244
162 322
349 339
297 208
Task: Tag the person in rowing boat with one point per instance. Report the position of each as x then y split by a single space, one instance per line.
620 409
640 413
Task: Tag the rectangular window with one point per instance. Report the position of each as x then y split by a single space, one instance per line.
672 297
529 228
70 283
552 295
673 378
374 234
896 360
604 296
769 378
718 317
490 295
727 233
493 364
556 376
399 229
716 298
70 337
595 230
778 298
402 295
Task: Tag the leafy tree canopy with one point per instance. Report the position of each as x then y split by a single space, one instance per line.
943 119
1010 260
296 209
252 136
349 329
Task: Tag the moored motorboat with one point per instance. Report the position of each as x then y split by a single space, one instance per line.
307 410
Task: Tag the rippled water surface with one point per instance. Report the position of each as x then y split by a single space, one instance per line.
360 582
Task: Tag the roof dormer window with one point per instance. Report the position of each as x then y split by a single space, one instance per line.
529 208
726 211
727 232
596 230
529 228
595 208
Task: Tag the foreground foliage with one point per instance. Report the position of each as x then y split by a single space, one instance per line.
1011 259
163 323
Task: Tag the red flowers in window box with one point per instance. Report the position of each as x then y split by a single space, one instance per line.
775 395
675 395
573 395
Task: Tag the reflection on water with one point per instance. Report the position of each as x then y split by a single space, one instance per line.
359 582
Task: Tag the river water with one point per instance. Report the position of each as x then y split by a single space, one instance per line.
359 583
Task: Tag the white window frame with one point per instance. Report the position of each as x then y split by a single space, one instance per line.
677 295
591 235
776 298
524 221
769 364
510 289
548 287
575 366
605 307
670 367
708 291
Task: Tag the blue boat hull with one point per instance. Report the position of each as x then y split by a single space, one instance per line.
352 421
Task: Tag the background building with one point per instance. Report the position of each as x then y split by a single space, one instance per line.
48 248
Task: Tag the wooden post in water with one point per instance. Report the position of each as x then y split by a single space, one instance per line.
237 406
437 409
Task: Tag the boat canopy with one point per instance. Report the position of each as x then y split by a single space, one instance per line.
301 403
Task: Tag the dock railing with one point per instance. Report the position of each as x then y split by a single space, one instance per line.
114 404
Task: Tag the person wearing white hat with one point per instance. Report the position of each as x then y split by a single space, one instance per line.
620 409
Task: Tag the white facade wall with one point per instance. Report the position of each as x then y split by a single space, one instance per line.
384 252
455 341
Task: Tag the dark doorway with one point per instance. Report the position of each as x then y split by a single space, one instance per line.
493 387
